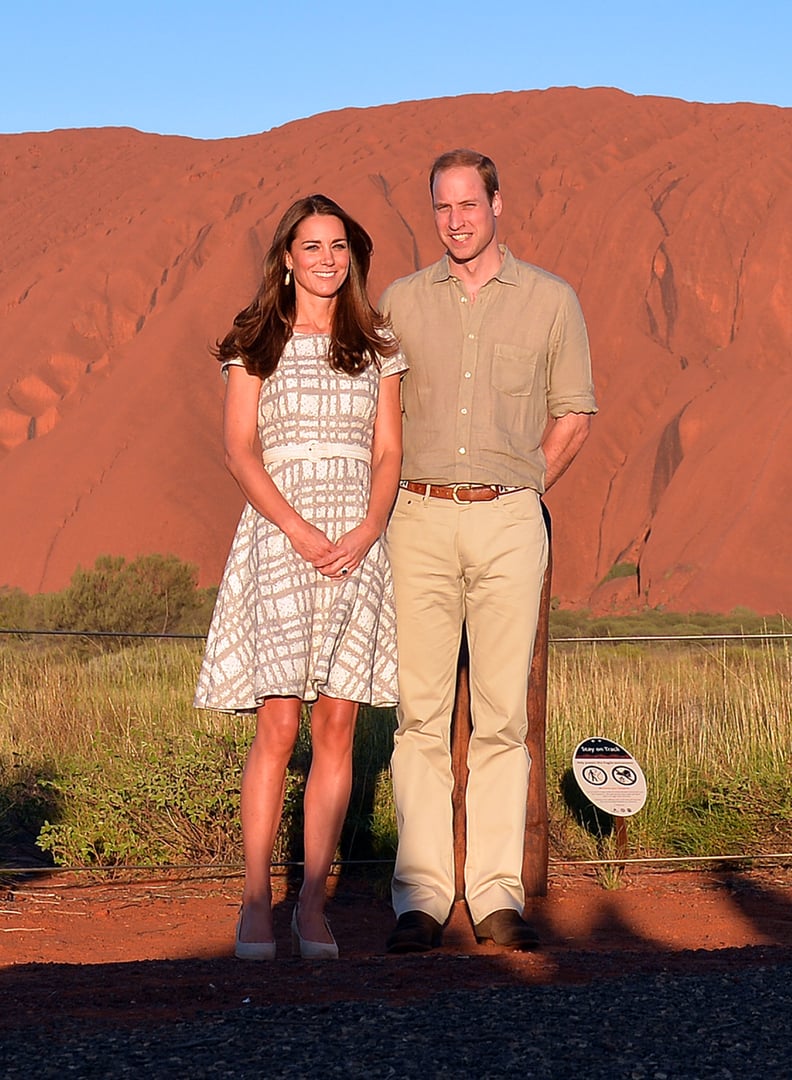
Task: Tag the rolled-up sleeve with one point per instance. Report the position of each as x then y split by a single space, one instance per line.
570 386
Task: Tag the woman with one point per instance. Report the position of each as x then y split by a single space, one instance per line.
312 435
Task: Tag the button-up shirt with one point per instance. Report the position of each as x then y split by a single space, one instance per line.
485 375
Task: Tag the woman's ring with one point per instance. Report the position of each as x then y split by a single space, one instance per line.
344 569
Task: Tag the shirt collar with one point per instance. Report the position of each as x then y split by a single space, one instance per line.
507 274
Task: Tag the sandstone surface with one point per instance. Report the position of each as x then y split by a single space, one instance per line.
124 255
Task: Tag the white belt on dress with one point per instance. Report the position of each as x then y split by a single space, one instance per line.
315 451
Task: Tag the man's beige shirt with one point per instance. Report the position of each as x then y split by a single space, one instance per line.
485 376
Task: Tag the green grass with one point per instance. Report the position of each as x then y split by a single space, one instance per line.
103 757
620 570
708 724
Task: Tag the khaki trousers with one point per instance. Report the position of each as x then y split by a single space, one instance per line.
479 564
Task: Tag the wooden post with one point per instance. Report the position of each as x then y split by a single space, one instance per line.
460 740
620 836
535 856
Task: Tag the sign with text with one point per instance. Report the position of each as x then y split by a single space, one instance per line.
609 776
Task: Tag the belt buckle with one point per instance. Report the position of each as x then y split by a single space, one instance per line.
454 489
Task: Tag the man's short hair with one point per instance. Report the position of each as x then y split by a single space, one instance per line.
454 159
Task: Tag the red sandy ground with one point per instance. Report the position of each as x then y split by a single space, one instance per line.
158 950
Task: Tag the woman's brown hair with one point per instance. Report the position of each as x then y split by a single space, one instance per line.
261 330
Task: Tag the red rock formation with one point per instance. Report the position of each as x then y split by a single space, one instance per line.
124 255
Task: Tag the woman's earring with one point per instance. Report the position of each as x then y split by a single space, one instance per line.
287 279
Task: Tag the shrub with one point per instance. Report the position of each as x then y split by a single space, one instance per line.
26 802
620 570
152 594
169 805
14 609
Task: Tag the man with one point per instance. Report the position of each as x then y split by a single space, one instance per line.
497 403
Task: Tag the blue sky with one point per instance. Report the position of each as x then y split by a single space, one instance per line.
216 69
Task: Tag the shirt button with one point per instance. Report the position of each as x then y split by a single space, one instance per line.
472 337
463 411
463 299
462 450
467 375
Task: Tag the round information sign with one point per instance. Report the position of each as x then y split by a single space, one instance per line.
610 776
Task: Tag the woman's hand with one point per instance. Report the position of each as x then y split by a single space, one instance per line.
313 546
350 551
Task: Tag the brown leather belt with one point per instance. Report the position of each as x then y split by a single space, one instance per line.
458 492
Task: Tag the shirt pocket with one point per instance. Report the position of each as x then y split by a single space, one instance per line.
513 369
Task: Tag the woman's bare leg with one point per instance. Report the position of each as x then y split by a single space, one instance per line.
263 785
326 801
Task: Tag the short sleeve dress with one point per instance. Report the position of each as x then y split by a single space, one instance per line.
280 628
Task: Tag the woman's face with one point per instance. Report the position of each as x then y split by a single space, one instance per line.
319 256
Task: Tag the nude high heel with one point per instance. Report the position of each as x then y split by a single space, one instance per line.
312 950
252 950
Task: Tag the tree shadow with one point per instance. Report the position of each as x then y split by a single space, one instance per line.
27 800
598 823
368 836
765 906
768 909
203 982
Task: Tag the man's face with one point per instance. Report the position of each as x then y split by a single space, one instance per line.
464 217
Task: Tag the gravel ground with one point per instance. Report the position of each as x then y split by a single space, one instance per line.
660 1027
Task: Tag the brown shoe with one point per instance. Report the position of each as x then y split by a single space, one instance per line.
415 931
506 927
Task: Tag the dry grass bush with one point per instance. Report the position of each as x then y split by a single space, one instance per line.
710 725
106 748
